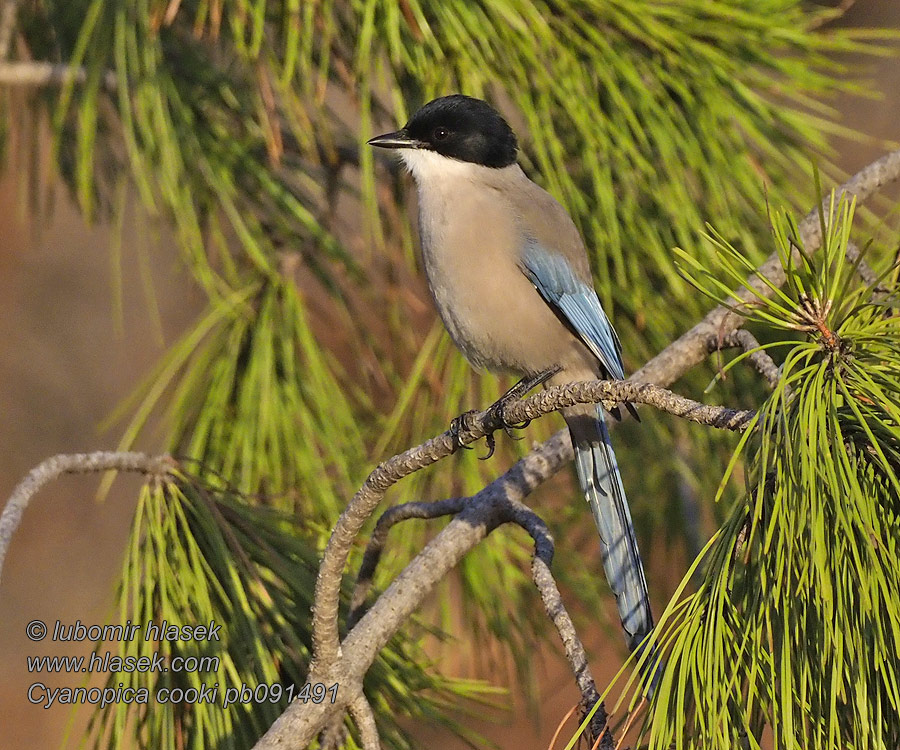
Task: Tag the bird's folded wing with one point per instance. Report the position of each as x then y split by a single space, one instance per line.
556 282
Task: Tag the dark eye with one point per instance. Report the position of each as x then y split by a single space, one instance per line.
440 134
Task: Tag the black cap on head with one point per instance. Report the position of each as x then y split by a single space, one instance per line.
459 127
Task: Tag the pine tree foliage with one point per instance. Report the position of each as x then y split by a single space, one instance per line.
793 629
241 123
197 558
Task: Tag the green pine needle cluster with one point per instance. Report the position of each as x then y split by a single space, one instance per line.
196 558
794 628
242 389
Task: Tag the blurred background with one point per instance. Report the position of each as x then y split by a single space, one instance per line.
82 323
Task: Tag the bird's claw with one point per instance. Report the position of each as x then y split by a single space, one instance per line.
461 424
498 421
491 444
465 422
508 429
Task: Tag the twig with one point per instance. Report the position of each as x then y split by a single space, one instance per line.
364 717
518 513
72 463
377 541
746 341
556 611
46 74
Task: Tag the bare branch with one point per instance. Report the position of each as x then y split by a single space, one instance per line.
72 463
518 513
556 611
378 540
46 74
482 514
746 341
364 717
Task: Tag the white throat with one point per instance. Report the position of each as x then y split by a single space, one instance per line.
427 166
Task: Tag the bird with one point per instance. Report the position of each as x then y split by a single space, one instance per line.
510 278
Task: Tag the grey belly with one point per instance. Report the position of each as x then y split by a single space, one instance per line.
491 310
499 321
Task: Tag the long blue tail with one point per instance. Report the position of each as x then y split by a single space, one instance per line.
598 472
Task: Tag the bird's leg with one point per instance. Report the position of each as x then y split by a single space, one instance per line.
497 409
464 423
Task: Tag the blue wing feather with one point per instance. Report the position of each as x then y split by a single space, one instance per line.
556 282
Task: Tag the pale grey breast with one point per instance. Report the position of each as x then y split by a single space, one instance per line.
472 236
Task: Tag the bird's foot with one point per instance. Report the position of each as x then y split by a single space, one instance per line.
467 421
460 425
497 414
498 421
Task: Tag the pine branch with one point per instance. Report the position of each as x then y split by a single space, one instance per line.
72 463
803 568
559 616
691 348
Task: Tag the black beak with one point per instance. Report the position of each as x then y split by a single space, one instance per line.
397 139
